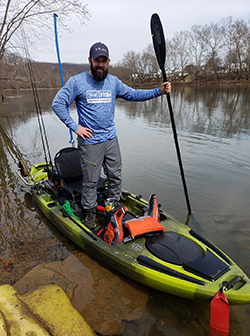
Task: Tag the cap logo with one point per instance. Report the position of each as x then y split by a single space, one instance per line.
101 49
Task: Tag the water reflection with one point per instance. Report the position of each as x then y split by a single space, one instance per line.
24 237
218 111
215 110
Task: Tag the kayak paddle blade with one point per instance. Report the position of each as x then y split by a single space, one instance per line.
158 42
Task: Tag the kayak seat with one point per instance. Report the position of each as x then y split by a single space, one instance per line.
67 162
68 165
180 250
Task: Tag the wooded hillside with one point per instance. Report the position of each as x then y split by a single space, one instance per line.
14 73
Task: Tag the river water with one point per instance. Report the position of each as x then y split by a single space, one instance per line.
213 125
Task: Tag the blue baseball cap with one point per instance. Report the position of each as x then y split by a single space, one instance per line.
98 49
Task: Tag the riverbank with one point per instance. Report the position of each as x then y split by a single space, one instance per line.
188 81
149 84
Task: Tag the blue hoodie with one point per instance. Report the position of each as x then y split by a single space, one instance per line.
95 102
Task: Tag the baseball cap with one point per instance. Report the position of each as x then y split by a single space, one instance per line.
99 49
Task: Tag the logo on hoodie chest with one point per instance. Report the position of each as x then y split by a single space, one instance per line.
98 96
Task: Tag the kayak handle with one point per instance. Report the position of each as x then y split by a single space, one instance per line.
229 284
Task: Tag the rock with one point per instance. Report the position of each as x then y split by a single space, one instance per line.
42 275
104 301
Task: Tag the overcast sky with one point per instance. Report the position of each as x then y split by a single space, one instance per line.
124 25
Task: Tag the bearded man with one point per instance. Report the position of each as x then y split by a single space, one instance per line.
95 92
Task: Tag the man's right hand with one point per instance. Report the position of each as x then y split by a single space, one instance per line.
84 132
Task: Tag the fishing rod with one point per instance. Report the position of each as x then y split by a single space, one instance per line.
41 123
22 163
60 69
160 51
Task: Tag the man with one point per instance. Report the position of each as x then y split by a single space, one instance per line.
95 92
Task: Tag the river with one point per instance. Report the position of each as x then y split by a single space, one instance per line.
213 125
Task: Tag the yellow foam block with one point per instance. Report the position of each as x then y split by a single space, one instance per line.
51 306
3 331
17 322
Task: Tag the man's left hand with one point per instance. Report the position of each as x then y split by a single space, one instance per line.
165 87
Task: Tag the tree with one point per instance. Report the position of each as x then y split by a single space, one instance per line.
148 64
33 16
247 57
131 62
240 46
196 48
228 59
12 71
179 44
213 36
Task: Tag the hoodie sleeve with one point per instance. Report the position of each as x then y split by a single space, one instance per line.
127 93
63 99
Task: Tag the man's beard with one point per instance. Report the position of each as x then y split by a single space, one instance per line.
98 75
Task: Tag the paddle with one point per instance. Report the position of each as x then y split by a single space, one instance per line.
219 304
160 51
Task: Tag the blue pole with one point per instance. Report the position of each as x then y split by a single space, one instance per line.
60 69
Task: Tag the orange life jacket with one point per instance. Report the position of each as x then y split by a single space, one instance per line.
122 220
114 233
142 225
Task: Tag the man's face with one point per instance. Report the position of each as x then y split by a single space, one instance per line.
99 67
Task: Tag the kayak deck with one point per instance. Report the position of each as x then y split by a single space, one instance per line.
147 259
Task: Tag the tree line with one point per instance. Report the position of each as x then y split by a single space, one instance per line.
209 52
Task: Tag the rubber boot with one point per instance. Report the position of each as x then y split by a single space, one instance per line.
90 216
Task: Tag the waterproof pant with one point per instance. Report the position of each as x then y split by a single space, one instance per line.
93 157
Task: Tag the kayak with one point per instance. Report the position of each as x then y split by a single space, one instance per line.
169 256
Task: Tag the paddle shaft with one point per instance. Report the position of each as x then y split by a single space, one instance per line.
160 51
178 152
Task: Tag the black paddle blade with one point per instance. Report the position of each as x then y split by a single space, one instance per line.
192 222
158 41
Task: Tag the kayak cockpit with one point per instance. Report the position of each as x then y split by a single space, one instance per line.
180 250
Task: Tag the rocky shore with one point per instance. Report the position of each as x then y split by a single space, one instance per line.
102 302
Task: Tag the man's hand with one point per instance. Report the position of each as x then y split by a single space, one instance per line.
84 132
165 87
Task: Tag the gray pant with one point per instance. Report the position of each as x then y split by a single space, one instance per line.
93 157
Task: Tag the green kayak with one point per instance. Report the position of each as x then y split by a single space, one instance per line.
170 257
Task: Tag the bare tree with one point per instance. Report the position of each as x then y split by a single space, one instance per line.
34 16
213 36
131 62
149 61
228 59
12 71
179 45
240 46
247 57
196 49
171 57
